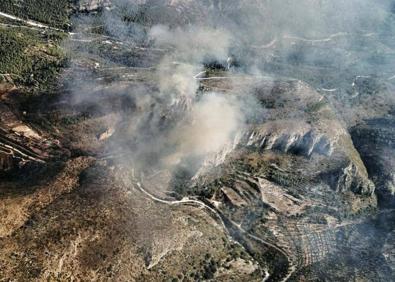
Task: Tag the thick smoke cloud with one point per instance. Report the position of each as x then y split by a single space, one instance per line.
173 122
205 124
212 123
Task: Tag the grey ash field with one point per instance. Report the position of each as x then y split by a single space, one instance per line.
208 140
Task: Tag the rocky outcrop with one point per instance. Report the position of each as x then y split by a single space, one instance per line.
349 179
92 5
290 137
294 177
296 120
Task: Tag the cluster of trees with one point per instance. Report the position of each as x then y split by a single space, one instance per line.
11 52
28 58
55 13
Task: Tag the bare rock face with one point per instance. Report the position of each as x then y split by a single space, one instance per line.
92 5
298 121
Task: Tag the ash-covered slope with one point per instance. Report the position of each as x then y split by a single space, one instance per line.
294 179
374 139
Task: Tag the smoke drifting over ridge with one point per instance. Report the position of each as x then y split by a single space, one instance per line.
172 122
190 81
259 35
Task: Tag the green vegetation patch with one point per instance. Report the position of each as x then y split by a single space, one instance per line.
30 58
54 13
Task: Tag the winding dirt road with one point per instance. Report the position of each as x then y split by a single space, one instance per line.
186 200
28 22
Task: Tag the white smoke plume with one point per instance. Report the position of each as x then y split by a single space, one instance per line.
175 121
207 123
212 123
